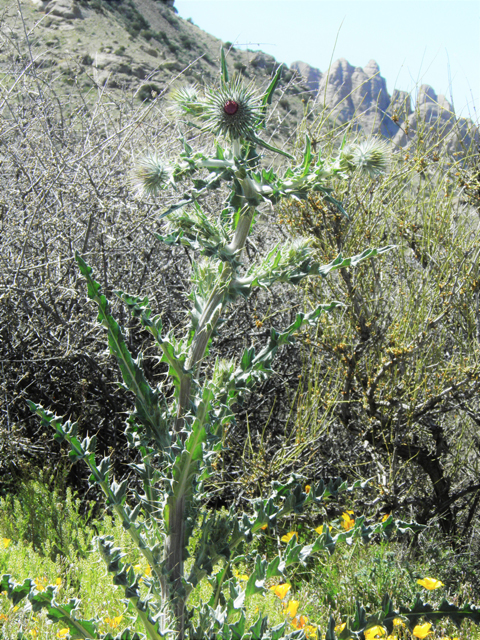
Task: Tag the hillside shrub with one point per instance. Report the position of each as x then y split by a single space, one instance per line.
148 92
402 366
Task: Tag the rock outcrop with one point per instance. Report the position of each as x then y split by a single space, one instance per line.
360 98
433 119
310 75
66 9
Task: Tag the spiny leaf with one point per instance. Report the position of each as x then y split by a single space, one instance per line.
330 634
146 399
223 63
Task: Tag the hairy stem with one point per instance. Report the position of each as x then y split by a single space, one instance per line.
175 543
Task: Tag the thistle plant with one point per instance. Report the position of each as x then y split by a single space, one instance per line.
174 437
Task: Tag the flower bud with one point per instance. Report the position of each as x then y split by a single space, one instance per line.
371 157
150 175
232 110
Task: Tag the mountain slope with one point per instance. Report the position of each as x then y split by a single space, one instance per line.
143 47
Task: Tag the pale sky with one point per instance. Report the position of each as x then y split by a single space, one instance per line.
414 42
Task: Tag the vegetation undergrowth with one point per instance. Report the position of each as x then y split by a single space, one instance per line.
326 587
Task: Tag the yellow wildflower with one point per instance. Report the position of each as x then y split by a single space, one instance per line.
307 488
430 583
288 536
33 633
398 622
113 622
340 627
148 570
300 622
311 632
63 633
386 517
6 542
348 520
422 630
281 590
375 632
58 582
263 527
40 583
240 576
291 608
319 529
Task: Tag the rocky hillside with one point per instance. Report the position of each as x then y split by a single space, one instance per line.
143 47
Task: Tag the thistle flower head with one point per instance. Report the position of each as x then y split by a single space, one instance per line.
370 157
232 110
187 99
150 175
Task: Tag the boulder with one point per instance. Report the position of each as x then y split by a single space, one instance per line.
66 9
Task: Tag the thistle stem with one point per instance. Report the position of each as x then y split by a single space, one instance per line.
175 543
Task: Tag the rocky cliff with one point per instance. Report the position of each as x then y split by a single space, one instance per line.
359 97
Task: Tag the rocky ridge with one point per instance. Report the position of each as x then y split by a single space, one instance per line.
360 98
143 43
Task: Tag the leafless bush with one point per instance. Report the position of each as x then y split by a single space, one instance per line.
66 159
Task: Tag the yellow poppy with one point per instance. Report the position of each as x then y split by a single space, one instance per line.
265 526
340 627
113 622
386 517
288 536
291 608
300 622
307 488
281 590
319 529
422 630
398 622
375 632
5 542
430 583
63 633
311 631
348 520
